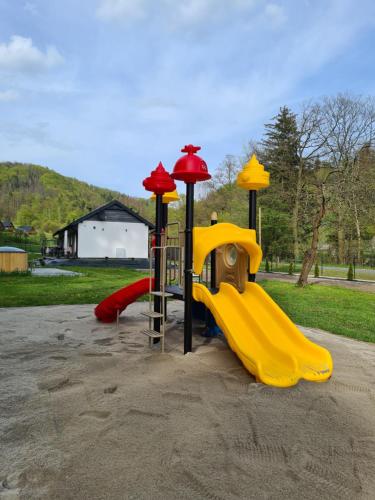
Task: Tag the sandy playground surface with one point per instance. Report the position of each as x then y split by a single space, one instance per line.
89 412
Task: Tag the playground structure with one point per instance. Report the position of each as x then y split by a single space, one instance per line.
217 266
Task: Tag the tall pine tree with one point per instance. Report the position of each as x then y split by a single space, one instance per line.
281 148
281 143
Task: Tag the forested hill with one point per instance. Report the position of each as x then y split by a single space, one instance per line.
38 196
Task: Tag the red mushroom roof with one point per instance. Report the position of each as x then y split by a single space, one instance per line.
190 168
160 181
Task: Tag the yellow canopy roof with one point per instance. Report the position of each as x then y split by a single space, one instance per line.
168 197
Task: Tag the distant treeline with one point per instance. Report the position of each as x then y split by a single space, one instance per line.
37 196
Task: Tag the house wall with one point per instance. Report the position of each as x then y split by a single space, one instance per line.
99 239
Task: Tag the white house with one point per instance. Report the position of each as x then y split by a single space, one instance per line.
111 231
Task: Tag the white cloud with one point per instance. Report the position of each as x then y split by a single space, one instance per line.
8 95
20 55
172 12
196 10
112 10
275 14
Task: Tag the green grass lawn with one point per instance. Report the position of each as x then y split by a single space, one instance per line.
338 310
90 288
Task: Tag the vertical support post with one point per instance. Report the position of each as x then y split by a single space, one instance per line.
165 224
213 255
188 270
158 230
165 215
252 219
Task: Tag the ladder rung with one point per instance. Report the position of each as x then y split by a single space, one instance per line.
153 334
162 294
152 314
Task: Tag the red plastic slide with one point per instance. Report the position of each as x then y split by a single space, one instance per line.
106 311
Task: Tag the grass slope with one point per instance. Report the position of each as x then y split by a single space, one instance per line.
338 310
90 288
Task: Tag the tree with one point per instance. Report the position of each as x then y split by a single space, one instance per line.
316 270
318 182
291 268
310 144
24 215
350 276
280 148
292 146
350 121
226 173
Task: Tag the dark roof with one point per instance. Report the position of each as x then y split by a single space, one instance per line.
25 228
7 223
103 207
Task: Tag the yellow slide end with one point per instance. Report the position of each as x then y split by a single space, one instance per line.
267 342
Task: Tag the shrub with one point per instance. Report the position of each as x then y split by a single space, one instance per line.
350 272
316 270
291 268
267 268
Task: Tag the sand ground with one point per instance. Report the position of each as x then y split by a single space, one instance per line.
88 411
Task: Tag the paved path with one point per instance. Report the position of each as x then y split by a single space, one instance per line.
357 269
51 271
363 286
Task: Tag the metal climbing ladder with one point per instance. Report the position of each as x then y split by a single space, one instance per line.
150 332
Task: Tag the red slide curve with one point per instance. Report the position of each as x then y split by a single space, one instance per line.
106 311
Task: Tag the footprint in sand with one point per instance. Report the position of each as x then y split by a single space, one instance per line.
182 397
250 449
105 341
101 415
58 385
97 329
9 487
111 389
97 354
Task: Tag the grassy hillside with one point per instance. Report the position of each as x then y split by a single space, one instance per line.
31 194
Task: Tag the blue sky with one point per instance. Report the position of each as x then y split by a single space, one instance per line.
102 90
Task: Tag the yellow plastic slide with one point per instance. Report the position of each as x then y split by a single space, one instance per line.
267 342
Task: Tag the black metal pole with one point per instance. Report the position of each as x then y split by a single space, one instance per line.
213 256
252 218
165 215
165 224
188 271
158 230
